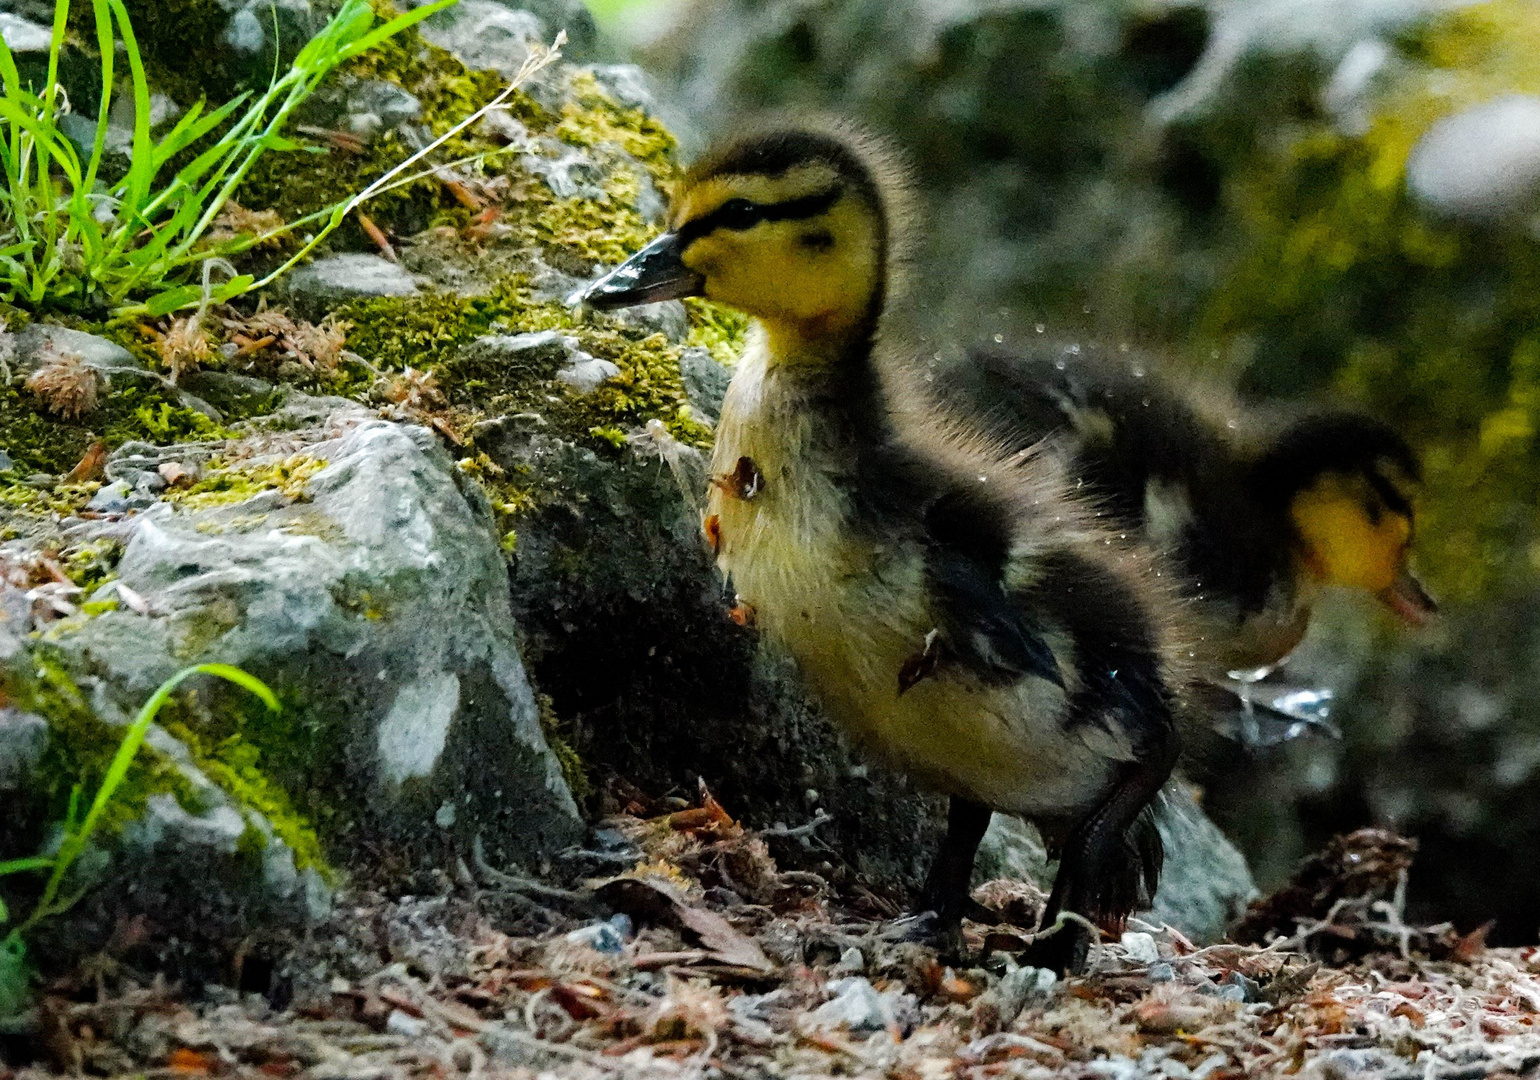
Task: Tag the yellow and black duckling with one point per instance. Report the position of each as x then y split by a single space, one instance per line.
1256 513
951 605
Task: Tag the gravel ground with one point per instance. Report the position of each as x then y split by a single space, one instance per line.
702 958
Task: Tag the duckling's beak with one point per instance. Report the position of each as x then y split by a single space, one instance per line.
657 272
1409 598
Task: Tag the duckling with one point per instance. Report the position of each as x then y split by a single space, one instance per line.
1257 515
950 604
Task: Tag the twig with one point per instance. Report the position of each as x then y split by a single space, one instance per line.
526 887
785 833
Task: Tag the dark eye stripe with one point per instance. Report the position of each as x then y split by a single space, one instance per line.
741 214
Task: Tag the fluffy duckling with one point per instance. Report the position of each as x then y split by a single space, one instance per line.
951 605
1257 515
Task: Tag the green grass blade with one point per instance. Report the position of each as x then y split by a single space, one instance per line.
75 842
22 866
393 27
105 49
141 171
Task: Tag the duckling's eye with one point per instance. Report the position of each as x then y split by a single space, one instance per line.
739 214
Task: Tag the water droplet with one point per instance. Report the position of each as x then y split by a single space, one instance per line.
1074 350
999 338
1040 328
1058 365
1144 402
1138 370
1231 424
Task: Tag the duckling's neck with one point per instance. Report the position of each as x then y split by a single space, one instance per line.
834 364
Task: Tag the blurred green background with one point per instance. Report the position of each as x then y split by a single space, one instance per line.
1332 200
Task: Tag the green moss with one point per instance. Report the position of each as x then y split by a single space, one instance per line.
63 500
228 485
81 746
40 442
594 119
235 765
717 329
572 769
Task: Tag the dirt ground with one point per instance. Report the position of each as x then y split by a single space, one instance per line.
698 957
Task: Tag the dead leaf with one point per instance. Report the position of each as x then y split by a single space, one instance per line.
648 898
89 467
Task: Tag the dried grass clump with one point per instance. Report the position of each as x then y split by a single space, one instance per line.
65 384
317 346
320 343
235 221
185 347
414 392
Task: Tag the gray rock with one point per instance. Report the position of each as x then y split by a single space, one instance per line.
1481 164
481 35
23 737
705 381
859 1007
668 318
1206 883
386 608
327 282
113 498
587 375
374 106
22 36
627 84
567 170
537 349
41 341
6 464
486 35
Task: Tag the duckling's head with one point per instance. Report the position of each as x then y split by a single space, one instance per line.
791 224
1348 483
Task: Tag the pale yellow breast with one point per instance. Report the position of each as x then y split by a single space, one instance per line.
852 611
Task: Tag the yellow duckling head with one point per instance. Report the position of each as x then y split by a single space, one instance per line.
793 225
1349 482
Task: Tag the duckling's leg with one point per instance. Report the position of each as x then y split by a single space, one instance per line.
1109 864
946 892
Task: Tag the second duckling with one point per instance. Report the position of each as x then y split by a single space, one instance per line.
1258 513
950 604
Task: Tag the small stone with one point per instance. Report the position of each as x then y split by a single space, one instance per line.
23 737
586 376
244 33
175 474
42 341
374 105
323 284
149 483
605 937
405 1025
445 817
1140 947
537 347
705 381
22 36
851 962
112 498
858 1006
484 35
6 464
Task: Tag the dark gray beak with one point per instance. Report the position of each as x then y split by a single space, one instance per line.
655 273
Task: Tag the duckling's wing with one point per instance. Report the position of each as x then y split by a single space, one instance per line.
967 544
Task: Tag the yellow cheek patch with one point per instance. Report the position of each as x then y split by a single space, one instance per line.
1343 545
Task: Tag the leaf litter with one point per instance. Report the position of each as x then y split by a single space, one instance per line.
676 947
